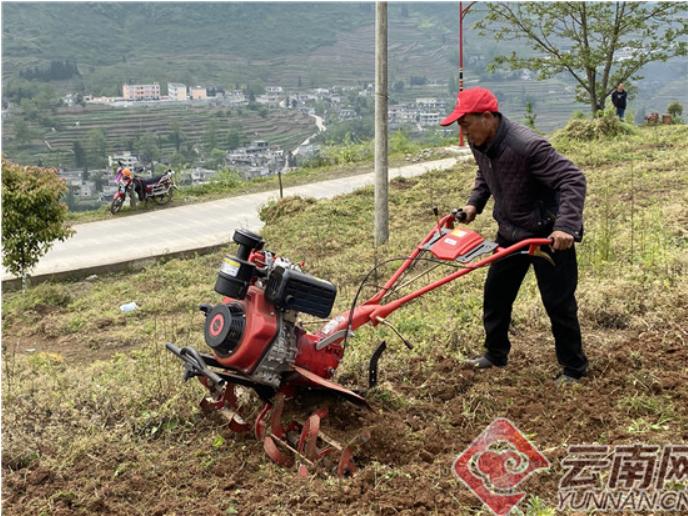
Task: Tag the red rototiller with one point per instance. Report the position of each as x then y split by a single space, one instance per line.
258 341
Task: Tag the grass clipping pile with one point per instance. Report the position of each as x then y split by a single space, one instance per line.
96 418
605 125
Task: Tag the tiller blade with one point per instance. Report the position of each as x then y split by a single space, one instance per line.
224 401
302 443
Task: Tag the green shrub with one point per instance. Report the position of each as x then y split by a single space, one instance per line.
675 109
530 115
400 142
348 152
224 180
33 216
315 161
55 295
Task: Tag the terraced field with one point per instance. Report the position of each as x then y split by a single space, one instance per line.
320 44
664 95
553 100
124 125
553 104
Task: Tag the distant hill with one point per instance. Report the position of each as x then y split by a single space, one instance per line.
226 43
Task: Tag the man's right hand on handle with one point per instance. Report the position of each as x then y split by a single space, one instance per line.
470 211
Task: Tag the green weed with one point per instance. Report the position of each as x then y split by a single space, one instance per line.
643 426
538 507
644 405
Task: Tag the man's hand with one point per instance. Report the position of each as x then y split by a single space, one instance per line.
561 240
470 212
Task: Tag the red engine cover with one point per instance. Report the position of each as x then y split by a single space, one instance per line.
260 330
322 362
456 243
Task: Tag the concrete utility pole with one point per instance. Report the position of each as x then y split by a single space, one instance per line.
381 172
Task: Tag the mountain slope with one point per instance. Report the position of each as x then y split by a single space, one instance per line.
227 42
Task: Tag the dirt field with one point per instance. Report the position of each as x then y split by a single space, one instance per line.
425 418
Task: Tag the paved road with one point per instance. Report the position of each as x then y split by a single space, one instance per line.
189 227
321 127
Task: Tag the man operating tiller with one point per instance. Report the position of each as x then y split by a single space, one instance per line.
537 193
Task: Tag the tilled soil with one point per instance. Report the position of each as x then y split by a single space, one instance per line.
423 417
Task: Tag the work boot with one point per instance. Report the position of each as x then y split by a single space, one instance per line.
563 380
481 362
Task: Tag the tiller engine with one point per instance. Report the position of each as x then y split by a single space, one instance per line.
258 341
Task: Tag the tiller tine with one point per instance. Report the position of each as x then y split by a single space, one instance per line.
303 451
276 456
346 466
274 434
308 441
259 425
222 396
309 449
302 471
224 401
276 418
237 424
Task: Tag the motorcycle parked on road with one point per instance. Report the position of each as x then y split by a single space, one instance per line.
159 188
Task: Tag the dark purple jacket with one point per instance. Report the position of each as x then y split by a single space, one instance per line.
536 189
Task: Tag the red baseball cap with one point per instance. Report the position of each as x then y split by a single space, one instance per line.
472 100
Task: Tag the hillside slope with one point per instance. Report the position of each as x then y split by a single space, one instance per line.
225 43
96 418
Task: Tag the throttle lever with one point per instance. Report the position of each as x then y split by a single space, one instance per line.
459 214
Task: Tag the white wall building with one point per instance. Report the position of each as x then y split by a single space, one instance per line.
347 114
429 118
127 159
200 175
141 91
176 91
269 100
235 98
256 159
198 93
428 103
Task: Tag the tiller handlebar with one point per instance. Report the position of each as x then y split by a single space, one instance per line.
459 246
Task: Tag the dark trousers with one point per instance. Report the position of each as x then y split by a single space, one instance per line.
140 190
557 288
